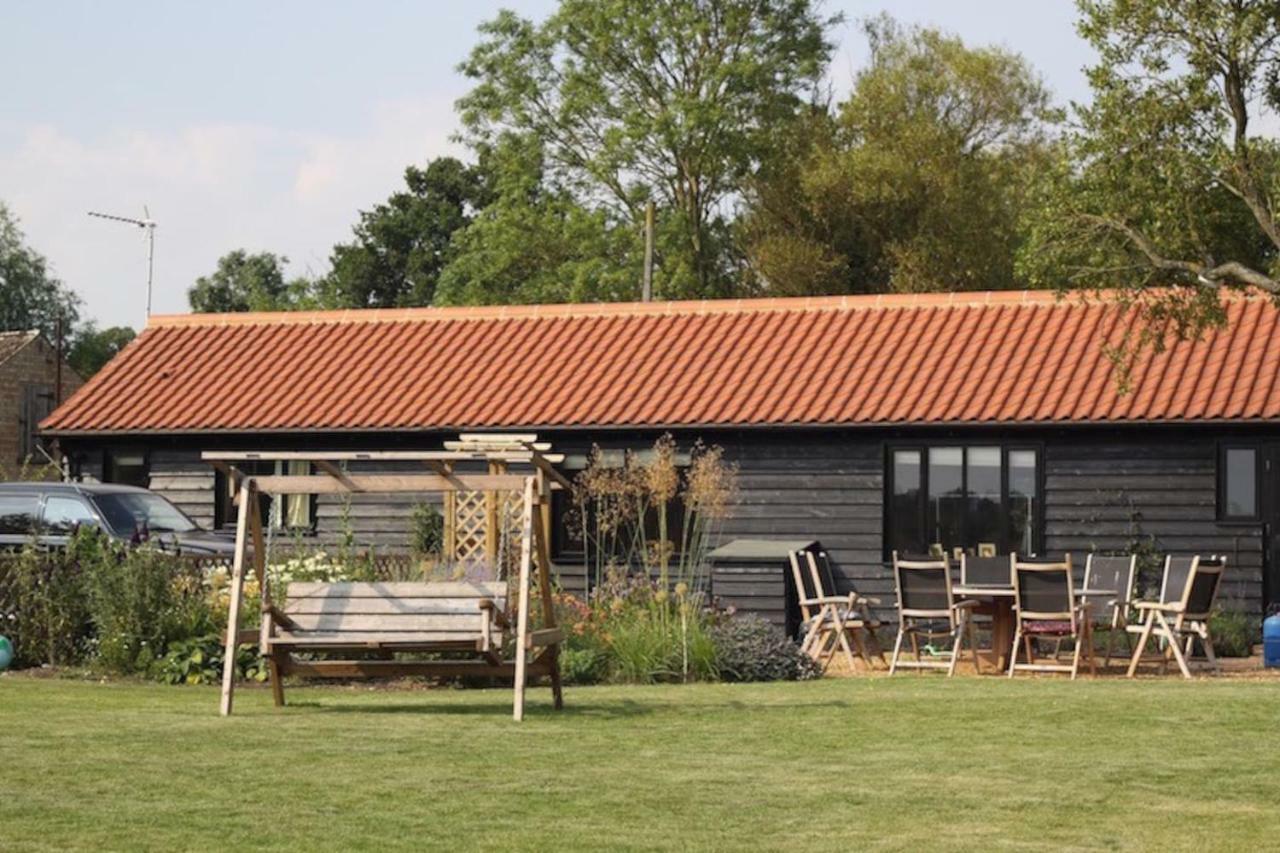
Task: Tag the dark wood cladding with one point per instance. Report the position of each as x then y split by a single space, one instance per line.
1103 488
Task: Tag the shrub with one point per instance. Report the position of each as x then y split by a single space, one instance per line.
43 608
199 661
139 600
1234 633
749 648
583 665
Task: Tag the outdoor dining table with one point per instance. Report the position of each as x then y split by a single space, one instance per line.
1003 622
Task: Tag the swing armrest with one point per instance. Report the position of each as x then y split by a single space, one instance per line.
281 618
495 612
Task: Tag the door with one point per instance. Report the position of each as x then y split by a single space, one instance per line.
1270 506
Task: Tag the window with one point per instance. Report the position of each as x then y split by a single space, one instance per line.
130 512
294 512
1238 483
962 496
62 516
18 514
126 467
37 404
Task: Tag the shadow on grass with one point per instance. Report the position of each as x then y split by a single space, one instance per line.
618 709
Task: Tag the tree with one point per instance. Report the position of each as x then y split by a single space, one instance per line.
1163 181
248 282
537 244
91 347
401 246
674 101
30 298
915 183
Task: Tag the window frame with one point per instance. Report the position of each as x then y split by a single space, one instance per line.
273 508
1220 487
109 465
922 447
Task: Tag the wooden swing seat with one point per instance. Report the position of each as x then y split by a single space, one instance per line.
390 618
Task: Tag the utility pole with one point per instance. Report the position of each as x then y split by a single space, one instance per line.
57 369
646 290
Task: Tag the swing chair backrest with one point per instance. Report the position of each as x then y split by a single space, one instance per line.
459 615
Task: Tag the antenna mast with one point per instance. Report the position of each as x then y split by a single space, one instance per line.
149 225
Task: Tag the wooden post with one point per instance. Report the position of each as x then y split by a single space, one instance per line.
450 527
542 540
522 616
248 506
492 518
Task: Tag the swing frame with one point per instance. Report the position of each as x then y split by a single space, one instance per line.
536 651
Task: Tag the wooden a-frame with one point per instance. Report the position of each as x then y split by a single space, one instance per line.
500 451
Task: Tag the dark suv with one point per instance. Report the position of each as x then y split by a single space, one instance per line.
52 512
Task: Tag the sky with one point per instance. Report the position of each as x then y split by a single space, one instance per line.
268 126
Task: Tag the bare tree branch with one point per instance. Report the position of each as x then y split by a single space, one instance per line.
1224 274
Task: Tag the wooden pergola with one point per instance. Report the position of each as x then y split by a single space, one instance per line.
518 473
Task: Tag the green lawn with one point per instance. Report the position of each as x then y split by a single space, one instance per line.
914 762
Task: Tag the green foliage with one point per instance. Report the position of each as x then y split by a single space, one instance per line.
43 610
1162 178
400 246
749 648
674 101
426 533
1234 633
139 600
918 180
248 282
91 347
199 660
30 297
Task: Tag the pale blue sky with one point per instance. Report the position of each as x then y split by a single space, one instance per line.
268 125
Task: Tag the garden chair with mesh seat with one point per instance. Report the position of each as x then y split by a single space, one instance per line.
928 610
1045 599
1112 573
1190 614
830 620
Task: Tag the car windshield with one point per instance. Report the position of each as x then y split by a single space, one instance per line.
127 512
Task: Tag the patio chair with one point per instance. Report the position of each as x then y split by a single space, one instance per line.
830 620
1190 613
1172 581
992 571
1117 573
1044 595
927 609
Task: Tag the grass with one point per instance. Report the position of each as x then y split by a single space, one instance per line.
915 762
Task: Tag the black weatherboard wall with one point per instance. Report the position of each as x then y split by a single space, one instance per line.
1103 488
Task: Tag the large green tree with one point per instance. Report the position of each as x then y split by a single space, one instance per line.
916 182
536 243
248 282
1164 179
30 297
400 247
673 101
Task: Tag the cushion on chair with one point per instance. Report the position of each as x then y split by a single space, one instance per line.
1047 627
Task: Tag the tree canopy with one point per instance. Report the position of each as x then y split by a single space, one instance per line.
915 182
674 101
1163 180
30 297
248 282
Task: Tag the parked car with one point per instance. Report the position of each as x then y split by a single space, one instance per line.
53 511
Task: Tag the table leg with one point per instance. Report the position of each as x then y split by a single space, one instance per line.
1002 632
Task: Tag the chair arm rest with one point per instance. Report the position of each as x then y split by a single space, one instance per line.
1157 605
866 599
966 604
849 599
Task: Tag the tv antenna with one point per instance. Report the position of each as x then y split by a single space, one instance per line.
148 224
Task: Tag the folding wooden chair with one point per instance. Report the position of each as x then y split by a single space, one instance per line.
1044 595
1118 573
1190 613
830 620
1173 579
927 608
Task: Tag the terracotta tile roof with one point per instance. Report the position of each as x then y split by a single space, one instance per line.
12 342
1008 357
